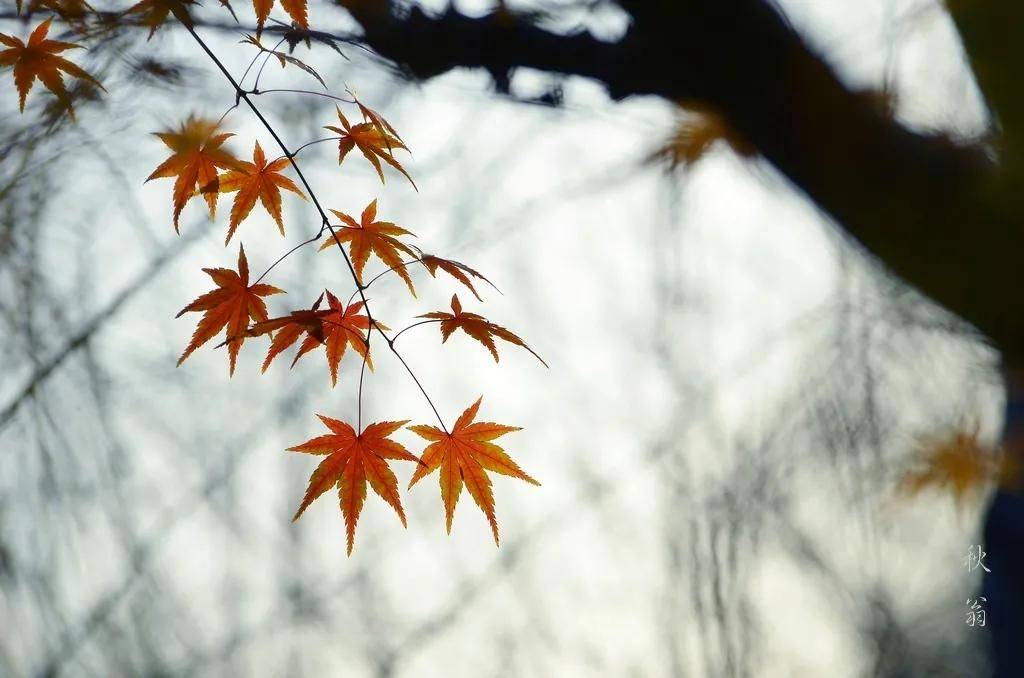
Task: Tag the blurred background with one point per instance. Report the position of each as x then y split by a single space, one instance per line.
735 388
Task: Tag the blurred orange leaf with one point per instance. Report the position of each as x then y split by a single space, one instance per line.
958 463
698 128
153 13
38 58
197 154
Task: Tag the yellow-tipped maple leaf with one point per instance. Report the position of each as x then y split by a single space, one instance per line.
464 456
38 58
455 269
960 464
335 328
375 139
296 10
476 326
352 460
231 305
153 13
368 236
197 154
257 179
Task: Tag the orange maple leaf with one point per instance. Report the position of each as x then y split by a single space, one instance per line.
296 10
197 154
455 269
368 236
232 304
153 13
374 138
464 456
352 459
253 180
38 59
335 328
476 326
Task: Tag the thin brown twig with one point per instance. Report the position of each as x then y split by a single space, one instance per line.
409 327
306 145
382 274
326 95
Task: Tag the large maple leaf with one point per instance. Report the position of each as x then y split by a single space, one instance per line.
476 326
257 179
352 460
335 328
368 236
197 153
231 305
464 457
375 139
38 58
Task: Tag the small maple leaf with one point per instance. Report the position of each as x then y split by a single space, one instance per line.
455 269
464 456
352 459
335 328
476 326
197 154
253 180
153 13
296 10
38 58
368 236
959 463
374 138
231 305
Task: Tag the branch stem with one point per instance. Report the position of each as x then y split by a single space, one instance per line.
325 221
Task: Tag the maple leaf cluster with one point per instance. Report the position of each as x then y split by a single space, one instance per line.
463 455
201 163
